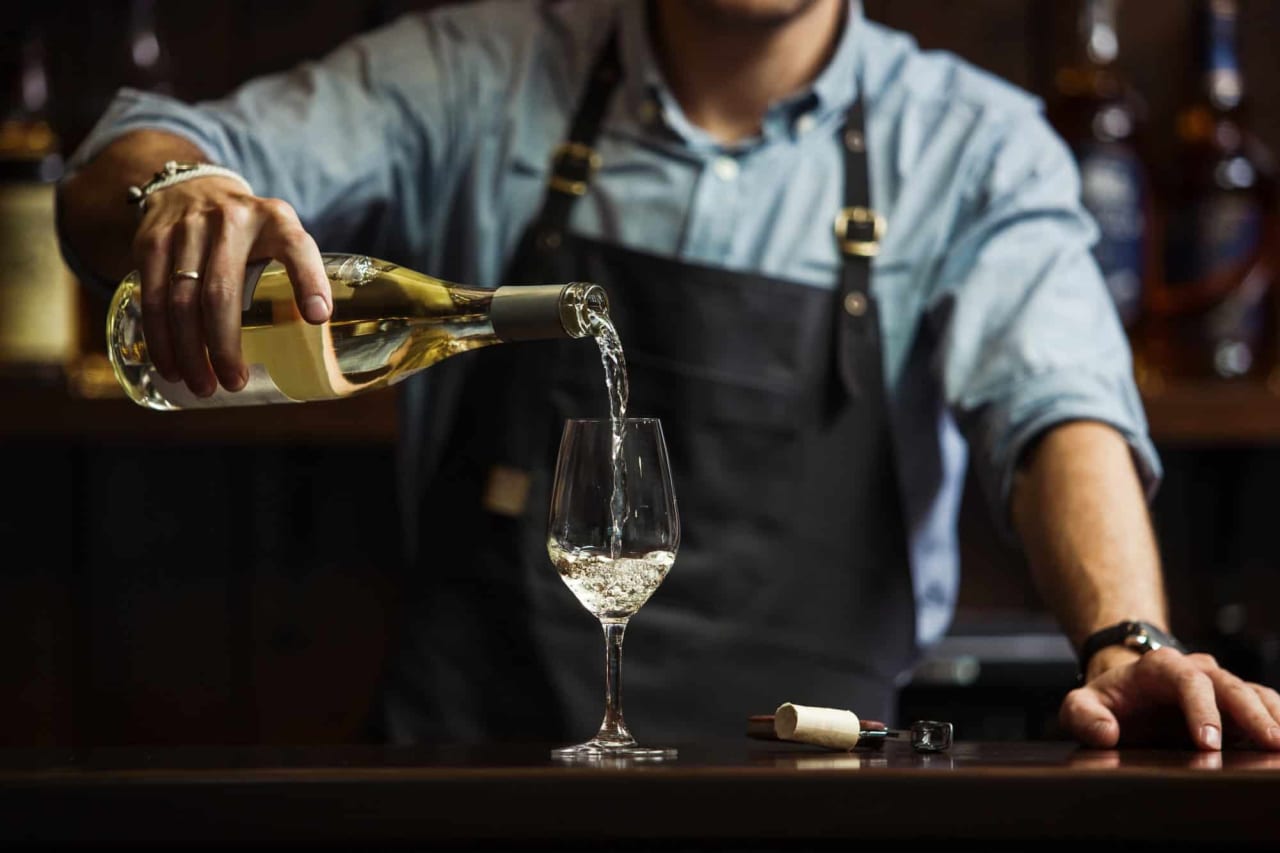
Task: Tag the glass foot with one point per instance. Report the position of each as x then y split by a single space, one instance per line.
595 749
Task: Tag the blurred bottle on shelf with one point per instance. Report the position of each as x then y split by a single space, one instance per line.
142 62
1214 311
147 65
39 297
1102 117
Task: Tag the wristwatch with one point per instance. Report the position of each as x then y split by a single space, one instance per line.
1142 637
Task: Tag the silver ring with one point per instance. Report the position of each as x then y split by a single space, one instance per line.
192 275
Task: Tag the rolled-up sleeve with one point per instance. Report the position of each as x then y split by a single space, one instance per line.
369 129
1028 335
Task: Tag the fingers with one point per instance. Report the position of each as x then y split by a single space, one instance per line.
1271 699
1088 720
189 247
1193 691
1139 696
221 301
1244 704
208 232
1254 709
151 253
284 239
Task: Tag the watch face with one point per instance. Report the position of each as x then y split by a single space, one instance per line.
1141 641
1147 638
1138 636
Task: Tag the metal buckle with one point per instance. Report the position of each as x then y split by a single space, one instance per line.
860 218
1142 642
582 163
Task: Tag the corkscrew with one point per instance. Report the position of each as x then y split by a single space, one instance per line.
841 729
924 735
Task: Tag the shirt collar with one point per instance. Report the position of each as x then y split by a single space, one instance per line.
649 99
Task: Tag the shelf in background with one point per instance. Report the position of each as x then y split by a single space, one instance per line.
1243 412
83 405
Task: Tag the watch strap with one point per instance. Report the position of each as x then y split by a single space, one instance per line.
1134 634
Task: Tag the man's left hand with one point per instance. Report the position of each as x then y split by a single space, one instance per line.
1163 696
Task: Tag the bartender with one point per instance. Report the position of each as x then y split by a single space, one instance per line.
842 268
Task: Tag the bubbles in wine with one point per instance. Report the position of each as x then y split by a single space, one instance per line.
610 587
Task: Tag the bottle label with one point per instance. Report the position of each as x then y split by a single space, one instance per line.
1114 191
1220 50
38 293
1220 64
1222 231
260 390
1213 250
1233 329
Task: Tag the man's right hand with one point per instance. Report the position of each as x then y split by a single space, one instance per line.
211 227
208 225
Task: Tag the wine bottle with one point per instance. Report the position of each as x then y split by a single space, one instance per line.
1102 118
38 294
147 62
388 322
1216 304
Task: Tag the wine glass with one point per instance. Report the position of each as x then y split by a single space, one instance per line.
613 533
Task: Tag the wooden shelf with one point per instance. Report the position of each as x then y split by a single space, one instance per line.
1185 414
1245 412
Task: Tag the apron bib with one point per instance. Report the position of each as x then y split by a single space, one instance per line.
792 580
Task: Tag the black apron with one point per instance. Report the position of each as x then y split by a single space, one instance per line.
791 583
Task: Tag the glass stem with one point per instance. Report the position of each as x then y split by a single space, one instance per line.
613 729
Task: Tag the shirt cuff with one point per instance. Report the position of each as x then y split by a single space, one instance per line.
1051 399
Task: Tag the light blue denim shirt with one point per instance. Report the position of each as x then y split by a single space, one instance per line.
427 142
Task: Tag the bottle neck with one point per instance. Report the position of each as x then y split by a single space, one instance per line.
1220 72
537 312
26 95
29 146
1098 37
148 68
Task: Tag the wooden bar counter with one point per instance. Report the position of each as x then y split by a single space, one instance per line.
739 795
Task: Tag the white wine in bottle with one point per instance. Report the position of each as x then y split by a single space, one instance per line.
387 323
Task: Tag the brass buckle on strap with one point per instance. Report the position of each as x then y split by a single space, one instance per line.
859 220
572 165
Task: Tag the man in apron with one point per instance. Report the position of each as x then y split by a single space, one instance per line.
773 599
829 256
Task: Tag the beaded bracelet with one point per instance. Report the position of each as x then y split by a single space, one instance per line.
175 173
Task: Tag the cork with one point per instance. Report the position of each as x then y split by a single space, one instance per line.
830 727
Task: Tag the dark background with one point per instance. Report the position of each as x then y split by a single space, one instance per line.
211 47
260 610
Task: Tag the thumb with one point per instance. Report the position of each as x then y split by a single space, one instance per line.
1088 720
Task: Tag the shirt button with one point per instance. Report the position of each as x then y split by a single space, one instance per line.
855 304
805 123
726 168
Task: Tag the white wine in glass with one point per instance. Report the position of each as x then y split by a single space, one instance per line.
613 534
